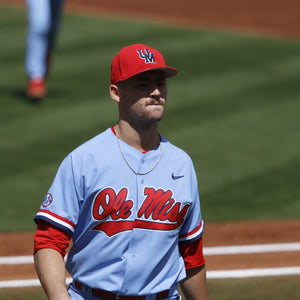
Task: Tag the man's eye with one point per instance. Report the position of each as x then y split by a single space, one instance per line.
142 83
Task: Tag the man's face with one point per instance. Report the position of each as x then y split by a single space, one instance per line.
143 97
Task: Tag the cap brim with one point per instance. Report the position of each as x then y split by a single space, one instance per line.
169 71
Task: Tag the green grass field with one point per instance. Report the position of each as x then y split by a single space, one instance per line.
234 107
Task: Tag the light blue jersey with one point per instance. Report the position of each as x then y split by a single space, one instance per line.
125 226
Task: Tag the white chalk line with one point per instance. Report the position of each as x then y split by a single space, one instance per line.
224 274
249 249
220 250
24 283
248 273
16 260
208 251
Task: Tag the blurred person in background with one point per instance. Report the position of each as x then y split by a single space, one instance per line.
44 18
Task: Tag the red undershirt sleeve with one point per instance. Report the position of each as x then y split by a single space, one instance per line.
192 253
49 236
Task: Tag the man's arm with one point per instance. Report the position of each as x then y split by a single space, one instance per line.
50 268
194 286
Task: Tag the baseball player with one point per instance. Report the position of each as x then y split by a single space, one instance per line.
44 18
128 199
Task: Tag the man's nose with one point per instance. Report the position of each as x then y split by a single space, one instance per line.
155 91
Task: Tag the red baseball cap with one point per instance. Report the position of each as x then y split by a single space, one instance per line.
135 59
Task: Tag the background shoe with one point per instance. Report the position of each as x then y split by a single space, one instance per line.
36 89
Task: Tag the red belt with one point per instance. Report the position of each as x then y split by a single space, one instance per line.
112 296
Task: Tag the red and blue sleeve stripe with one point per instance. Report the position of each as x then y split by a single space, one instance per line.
55 220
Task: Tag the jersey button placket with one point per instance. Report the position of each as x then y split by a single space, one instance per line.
141 164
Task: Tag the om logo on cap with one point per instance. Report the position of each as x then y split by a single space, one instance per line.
147 56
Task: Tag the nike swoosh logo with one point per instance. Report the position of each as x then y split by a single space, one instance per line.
176 176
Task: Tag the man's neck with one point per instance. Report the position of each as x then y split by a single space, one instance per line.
143 139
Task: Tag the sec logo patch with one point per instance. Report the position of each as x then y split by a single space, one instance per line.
48 199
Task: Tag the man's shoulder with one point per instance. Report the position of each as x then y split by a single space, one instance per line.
96 143
174 150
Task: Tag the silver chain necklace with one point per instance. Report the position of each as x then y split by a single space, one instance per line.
131 168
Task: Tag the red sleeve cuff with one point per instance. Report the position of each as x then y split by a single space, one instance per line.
49 236
192 253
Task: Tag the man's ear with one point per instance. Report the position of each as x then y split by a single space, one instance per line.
115 93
